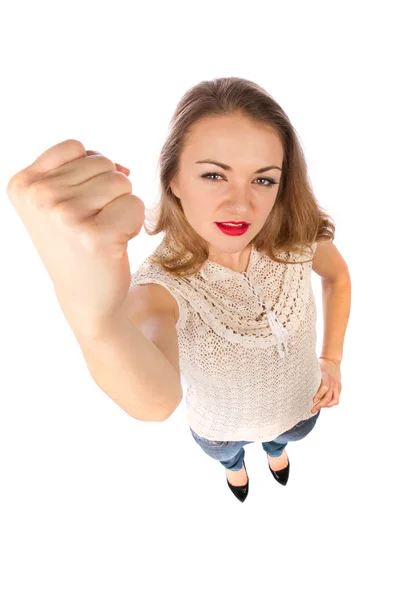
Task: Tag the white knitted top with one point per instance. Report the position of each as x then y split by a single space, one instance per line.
251 374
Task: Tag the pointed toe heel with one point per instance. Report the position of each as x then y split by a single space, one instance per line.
240 491
282 475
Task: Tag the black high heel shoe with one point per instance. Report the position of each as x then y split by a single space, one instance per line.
240 491
282 475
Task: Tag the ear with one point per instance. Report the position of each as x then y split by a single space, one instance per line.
174 187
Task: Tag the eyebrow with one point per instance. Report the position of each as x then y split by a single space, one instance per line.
228 168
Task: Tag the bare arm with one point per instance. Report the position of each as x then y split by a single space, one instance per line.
132 371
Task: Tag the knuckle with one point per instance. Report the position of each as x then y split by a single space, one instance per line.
102 160
64 214
138 207
12 186
40 195
125 181
113 180
18 189
75 144
139 203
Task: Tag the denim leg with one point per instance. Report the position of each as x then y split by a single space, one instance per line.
229 454
275 447
235 462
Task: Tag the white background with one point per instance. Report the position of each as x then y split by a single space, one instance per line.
95 504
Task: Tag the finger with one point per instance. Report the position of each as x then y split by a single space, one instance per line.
332 403
335 397
321 399
328 396
316 407
321 404
119 167
327 400
321 392
125 170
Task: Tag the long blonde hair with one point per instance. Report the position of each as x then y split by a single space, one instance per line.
296 219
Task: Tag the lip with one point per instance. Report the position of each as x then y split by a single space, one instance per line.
234 222
233 230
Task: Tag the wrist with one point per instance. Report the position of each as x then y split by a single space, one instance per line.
335 360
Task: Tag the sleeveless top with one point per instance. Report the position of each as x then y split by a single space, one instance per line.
246 344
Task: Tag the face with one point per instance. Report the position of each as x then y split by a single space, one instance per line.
210 193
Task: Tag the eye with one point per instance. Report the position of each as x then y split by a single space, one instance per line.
270 183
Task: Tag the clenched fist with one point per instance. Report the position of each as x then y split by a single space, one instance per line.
79 211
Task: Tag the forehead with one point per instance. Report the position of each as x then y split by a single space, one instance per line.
224 136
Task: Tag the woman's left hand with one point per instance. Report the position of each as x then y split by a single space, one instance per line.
331 385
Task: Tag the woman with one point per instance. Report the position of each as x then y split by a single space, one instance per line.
246 326
241 293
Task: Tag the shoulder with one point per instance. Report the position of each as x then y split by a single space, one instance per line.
328 263
154 298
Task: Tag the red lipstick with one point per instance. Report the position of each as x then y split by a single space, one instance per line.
234 229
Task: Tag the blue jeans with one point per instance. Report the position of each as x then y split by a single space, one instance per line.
231 454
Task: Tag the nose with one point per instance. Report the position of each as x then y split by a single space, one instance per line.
239 206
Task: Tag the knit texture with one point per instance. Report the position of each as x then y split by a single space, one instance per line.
246 344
